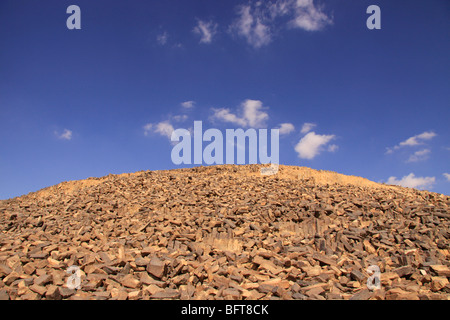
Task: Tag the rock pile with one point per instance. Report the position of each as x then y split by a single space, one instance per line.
224 232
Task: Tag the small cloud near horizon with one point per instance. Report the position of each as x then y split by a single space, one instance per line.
411 181
252 114
312 144
413 141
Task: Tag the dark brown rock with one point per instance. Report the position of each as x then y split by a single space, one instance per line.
364 294
166 294
4 294
53 293
156 267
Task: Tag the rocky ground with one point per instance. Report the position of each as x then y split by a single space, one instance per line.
225 232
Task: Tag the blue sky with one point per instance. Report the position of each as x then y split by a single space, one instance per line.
86 103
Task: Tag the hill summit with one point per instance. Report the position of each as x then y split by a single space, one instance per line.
225 232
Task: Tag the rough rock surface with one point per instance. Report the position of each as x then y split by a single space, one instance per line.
225 232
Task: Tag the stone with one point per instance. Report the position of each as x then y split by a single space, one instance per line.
66 292
323 259
53 293
253 295
30 295
152 289
10 278
277 282
130 281
38 289
387 277
43 280
266 288
142 262
4 294
166 294
441 270
102 295
225 232
119 294
404 271
156 267
146 279
357 275
354 284
134 295
29 268
364 294
314 291
437 283
400 294
268 265
39 255
312 271
55 263
4 270
369 247
58 277
232 293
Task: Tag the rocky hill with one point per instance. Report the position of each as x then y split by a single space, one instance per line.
225 232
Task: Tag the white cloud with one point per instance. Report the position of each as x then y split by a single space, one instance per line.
418 139
163 128
188 104
206 30
447 176
258 22
180 118
411 181
147 128
419 155
252 114
332 148
66 135
281 8
286 128
312 144
162 38
251 27
309 17
307 127
413 141
227 116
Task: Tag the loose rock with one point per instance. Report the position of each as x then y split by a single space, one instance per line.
225 232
